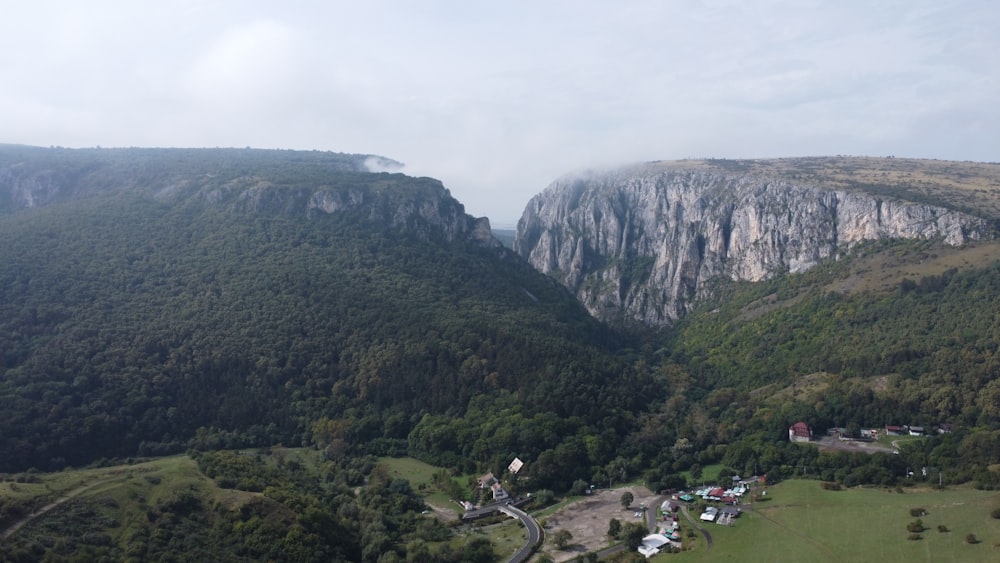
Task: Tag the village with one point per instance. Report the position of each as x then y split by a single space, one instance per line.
674 511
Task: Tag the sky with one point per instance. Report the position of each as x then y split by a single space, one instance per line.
498 99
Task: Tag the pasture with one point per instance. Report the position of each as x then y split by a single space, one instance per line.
803 522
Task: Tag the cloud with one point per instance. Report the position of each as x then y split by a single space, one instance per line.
499 99
253 64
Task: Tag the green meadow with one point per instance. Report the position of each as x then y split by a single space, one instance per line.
803 522
421 478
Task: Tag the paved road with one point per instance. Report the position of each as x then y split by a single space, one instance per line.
534 533
651 512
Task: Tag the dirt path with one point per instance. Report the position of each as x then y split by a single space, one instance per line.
72 494
704 532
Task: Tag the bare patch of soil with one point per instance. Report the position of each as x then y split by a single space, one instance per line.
832 443
587 519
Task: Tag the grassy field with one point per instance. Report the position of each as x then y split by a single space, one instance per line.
421 478
709 476
110 501
507 536
803 522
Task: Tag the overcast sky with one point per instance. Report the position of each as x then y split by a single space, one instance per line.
499 98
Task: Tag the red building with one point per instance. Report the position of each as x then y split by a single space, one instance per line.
800 432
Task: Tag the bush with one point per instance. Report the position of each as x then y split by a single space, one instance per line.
943 529
971 539
914 537
830 486
626 499
919 511
916 526
562 538
614 528
995 513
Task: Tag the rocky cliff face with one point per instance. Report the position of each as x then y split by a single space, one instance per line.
295 183
642 243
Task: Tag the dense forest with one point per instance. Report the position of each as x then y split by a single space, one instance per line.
140 321
130 326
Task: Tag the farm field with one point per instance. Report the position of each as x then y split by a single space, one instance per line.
803 522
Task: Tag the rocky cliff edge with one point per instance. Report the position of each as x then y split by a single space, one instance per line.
641 243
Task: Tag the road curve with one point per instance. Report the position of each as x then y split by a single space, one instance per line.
704 532
534 533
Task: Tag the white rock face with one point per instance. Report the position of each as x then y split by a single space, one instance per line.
642 243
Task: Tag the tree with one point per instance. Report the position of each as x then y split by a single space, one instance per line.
562 538
695 471
614 528
627 499
479 550
634 532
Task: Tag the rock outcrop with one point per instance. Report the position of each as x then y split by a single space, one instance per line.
294 183
643 243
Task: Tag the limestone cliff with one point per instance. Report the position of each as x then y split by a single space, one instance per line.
642 242
294 183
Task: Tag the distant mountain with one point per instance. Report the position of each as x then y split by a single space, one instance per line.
152 299
646 243
505 236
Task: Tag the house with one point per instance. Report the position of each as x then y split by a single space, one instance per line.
893 430
669 506
652 544
710 514
799 432
946 428
869 433
916 430
499 493
730 511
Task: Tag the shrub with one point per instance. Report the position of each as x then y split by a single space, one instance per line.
614 528
562 538
830 486
995 513
943 529
919 511
626 499
971 539
914 537
916 526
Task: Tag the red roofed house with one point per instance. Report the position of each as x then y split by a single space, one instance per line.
800 432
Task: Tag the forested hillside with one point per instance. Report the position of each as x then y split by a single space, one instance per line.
131 325
151 308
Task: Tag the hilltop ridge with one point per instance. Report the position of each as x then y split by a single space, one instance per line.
644 242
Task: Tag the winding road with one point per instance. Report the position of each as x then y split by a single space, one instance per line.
534 532
704 532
